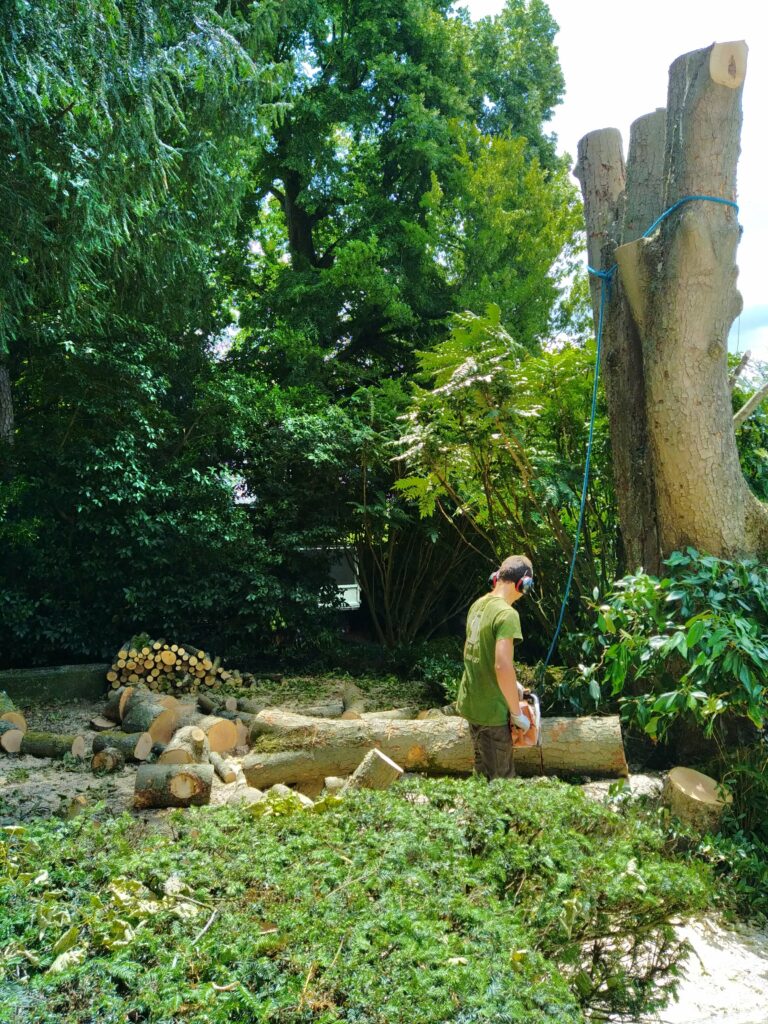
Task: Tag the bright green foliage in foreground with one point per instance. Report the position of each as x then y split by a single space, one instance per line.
437 901
696 639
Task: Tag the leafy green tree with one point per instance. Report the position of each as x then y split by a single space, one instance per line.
501 436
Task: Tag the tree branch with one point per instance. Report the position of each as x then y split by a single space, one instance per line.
749 406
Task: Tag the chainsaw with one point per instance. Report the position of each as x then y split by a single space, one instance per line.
530 707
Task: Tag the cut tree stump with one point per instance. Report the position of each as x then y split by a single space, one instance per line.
173 785
108 760
134 746
49 744
694 798
10 713
189 746
375 771
317 747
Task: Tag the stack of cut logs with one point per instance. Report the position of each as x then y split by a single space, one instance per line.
171 668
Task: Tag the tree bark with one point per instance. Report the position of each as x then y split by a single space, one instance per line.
673 301
7 424
315 747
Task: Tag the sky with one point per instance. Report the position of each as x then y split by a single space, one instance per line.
615 58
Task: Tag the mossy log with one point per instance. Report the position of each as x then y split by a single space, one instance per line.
173 785
108 760
188 746
305 748
10 713
134 746
49 744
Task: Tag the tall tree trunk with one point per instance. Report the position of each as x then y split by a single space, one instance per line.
6 405
672 303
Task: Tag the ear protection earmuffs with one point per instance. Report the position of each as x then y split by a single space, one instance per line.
525 583
522 586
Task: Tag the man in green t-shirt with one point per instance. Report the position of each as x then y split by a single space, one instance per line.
489 694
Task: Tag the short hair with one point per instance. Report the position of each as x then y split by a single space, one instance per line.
514 568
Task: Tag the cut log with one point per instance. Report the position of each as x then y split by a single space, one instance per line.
230 703
112 709
353 700
10 737
207 704
188 746
108 760
441 746
125 696
173 785
695 799
134 746
101 724
225 769
10 713
147 712
375 771
222 734
49 744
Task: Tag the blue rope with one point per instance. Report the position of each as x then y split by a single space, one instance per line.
606 278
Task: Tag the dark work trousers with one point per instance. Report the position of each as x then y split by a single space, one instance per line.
492 745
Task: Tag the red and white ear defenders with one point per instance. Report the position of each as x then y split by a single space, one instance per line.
522 586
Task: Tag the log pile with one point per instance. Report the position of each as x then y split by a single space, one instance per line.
171 668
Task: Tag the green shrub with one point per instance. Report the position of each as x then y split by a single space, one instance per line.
439 900
695 642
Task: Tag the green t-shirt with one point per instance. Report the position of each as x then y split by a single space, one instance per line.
480 700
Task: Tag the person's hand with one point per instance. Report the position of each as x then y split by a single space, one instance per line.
521 721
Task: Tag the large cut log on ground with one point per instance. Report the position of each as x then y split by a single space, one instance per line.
695 799
315 748
134 746
173 785
48 744
149 712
